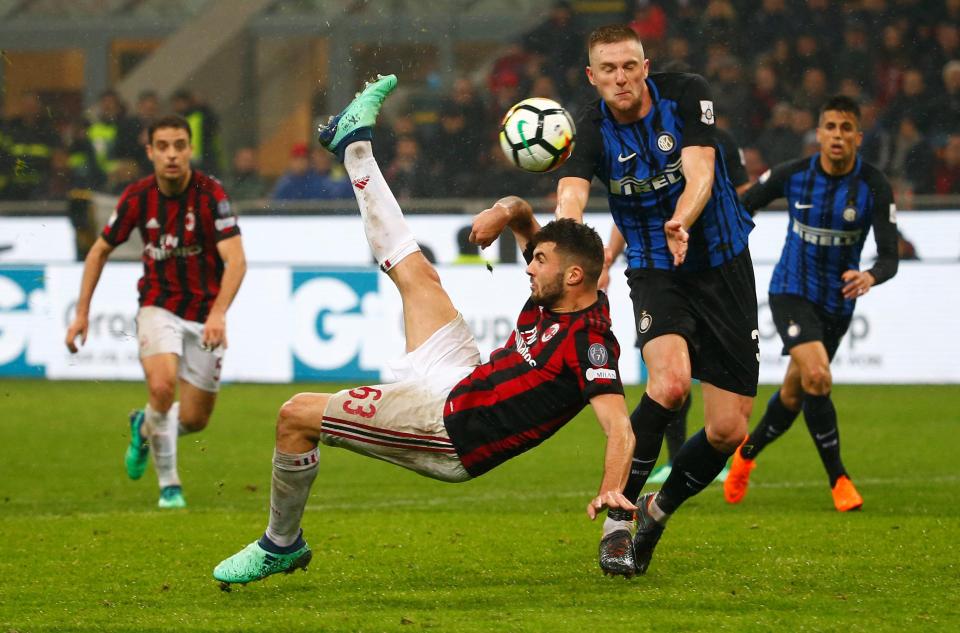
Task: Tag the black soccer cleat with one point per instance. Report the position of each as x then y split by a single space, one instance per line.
616 554
648 534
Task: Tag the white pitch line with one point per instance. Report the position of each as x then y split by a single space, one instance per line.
465 499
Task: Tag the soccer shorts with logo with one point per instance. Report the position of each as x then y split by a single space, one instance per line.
402 422
715 310
160 331
799 320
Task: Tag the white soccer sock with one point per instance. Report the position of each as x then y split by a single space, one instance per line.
289 489
163 443
387 231
611 525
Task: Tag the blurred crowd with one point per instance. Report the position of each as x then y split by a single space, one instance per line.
770 63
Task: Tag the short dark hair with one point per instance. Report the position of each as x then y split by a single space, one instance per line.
172 120
576 241
841 103
610 34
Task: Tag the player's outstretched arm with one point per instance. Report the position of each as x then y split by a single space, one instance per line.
235 267
92 267
611 412
573 193
511 211
697 166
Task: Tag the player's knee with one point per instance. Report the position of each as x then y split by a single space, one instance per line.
727 437
292 419
194 424
671 392
162 391
791 401
817 380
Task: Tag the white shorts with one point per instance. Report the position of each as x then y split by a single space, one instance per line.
160 331
402 422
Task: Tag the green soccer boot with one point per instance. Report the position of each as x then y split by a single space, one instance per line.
171 498
135 459
255 563
660 474
355 122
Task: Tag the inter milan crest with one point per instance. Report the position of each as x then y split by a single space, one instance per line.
597 354
793 330
644 323
666 142
849 214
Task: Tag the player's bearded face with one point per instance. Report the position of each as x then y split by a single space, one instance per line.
546 276
619 72
170 153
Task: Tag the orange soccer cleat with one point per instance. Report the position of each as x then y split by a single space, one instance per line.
845 496
735 487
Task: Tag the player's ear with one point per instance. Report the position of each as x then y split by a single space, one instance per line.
574 275
590 76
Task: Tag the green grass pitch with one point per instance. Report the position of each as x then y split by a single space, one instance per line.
84 549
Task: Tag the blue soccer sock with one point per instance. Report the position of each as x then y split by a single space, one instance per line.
776 421
696 465
649 420
821 417
676 432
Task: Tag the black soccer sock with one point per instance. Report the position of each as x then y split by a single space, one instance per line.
649 420
821 419
696 465
776 421
676 432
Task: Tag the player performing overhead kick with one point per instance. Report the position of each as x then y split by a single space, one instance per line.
450 417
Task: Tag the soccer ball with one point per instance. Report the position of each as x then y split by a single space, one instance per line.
537 134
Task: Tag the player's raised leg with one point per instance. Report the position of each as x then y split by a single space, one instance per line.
426 306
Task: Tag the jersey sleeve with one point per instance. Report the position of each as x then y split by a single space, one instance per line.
732 158
884 214
594 359
123 220
695 107
587 149
768 188
225 224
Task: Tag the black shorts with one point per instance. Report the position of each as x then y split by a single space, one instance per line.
799 320
715 310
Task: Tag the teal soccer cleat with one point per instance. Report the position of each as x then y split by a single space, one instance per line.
355 122
171 497
660 474
255 563
135 458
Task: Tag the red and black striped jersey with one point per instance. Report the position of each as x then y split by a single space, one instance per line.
546 373
182 267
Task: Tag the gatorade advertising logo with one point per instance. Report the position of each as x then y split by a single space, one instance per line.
20 291
333 319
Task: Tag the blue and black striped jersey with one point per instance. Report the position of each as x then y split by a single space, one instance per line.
640 166
830 217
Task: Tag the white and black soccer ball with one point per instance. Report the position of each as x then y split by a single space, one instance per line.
537 134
